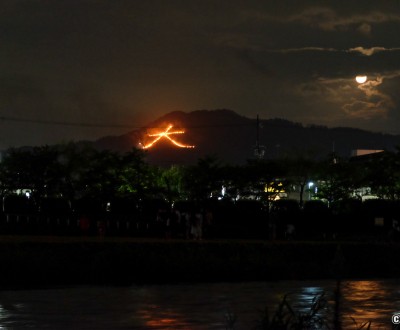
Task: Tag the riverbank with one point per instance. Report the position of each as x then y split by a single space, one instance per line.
43 261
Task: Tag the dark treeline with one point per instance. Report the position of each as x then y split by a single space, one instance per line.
85 178
78 170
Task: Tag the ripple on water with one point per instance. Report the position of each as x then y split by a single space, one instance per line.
192 306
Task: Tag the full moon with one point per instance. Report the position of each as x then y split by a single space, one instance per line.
361 79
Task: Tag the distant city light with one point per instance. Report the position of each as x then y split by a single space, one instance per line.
166 134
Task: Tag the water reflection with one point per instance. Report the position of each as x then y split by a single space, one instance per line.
193 306
156 317
303 298
374 301
3 315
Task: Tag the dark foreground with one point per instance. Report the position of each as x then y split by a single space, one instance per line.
48 261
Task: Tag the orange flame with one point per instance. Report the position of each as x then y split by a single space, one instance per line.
167 134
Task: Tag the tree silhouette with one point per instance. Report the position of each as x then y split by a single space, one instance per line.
300 171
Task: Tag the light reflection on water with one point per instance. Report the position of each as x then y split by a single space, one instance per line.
372 301
192 306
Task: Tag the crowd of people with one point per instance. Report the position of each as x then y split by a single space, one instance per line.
194 224
248 219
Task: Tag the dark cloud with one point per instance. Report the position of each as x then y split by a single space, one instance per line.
365 110
328 19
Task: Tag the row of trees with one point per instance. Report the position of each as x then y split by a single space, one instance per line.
338 179
78 170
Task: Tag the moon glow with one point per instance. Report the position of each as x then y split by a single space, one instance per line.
361 79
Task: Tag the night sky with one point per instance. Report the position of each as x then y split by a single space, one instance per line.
110 62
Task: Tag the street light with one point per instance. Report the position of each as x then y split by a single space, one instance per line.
310 184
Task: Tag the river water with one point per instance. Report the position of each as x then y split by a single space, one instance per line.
193 306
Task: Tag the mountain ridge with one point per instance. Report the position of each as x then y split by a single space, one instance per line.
232 138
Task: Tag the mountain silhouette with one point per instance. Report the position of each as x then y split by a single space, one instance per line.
231 138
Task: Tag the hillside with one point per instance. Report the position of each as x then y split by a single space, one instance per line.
232 138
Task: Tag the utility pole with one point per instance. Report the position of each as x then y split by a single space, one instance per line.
259 150
334 159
